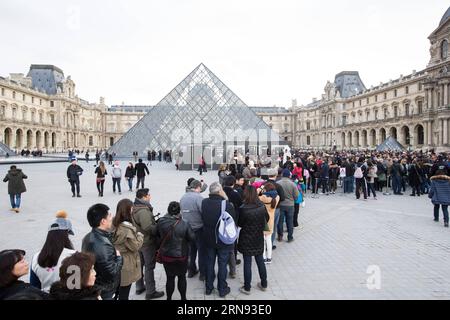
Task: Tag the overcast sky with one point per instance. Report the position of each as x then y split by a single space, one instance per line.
267 52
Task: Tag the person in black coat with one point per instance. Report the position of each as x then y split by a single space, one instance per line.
253 217
74 171
130 172
13 266
214 247
235 198
175 235
141 169
108 262
415 178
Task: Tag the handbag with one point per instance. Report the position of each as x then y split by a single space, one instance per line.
159 256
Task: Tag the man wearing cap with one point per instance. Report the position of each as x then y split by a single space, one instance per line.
191 210
74 171
287 205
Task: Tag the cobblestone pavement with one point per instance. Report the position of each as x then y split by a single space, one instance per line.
343 244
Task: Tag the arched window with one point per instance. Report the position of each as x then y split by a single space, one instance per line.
444 50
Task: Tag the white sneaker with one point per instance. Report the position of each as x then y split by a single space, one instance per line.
268 261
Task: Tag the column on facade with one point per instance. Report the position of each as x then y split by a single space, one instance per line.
430 133
445 135
445 92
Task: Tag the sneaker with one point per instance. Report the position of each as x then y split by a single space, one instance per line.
436 220
208 292
274 247
290 240
261 287
242 290
154 295
225 293
232 275
268 261
192 274
78 196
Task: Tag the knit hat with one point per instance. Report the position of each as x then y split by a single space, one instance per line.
62 223
286 173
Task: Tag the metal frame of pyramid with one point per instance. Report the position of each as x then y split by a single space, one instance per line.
390 144
200 103
4 149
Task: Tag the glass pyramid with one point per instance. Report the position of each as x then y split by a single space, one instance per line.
200 110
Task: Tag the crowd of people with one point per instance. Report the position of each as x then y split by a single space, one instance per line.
250 206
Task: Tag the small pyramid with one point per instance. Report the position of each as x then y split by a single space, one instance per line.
390 144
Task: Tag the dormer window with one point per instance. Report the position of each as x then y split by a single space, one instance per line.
444 50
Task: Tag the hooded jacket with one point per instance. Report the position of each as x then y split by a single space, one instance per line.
440 190
128 241
15 177
144 221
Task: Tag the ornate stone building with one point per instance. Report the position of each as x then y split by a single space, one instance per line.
41 110
414 109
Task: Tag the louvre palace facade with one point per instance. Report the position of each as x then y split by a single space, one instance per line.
42 111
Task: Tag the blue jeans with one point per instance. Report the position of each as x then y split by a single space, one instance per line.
194 247
275 223
116 181
15 200
425 186
223 255
287 212
130 184
248 271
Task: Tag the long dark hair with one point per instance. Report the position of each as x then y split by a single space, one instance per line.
56 242
123 212
8 259
250 195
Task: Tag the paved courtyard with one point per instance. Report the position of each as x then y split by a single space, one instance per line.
342 246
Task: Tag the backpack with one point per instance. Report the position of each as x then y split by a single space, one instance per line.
358 173
226 228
